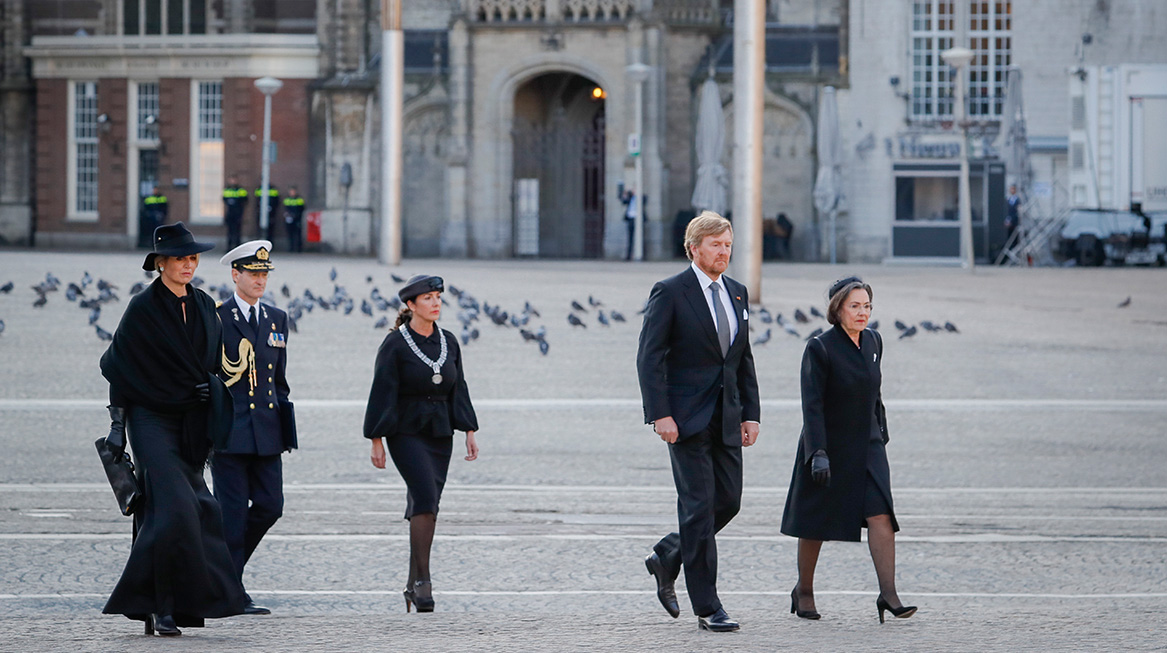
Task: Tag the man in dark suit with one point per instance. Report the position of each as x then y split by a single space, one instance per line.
700 393
248 474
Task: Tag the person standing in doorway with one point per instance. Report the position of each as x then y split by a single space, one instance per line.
234 202
248 471
155 211
1012 213
294 219
273 201
700 393
630 200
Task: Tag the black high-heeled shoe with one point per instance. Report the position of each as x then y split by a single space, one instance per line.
802 614
162 625
408 594
902 612
423 603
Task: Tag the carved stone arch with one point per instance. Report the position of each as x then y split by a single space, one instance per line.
425 135
788 165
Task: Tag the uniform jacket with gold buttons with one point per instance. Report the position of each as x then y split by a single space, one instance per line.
255 366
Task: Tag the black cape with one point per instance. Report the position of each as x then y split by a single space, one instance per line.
156 360
404 399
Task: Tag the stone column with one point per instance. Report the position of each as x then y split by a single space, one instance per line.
455 234
16 115
655 246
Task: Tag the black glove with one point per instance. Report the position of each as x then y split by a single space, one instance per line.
203 391
820 468
117 429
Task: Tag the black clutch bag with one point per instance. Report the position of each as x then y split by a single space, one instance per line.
120 471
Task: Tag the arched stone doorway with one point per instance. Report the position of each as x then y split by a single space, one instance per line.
558 178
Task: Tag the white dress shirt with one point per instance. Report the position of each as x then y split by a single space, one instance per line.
245 308
704 281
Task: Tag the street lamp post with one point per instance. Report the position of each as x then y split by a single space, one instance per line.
638 74
392 111
959 58
268 86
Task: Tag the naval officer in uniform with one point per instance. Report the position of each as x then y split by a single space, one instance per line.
247 472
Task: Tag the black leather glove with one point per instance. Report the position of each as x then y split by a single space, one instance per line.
117 429
203 391
820 468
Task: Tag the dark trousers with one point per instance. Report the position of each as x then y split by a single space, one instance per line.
234 231
295 240
242 479
631 224
708 476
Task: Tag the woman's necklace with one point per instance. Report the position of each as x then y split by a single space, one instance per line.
436 366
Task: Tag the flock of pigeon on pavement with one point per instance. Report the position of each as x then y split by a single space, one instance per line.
470 313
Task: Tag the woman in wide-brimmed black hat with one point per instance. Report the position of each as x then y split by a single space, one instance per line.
419 397
161 368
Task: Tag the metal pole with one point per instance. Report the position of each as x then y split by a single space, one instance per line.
265 184
749 43
638 197
392 98
966 237
834 236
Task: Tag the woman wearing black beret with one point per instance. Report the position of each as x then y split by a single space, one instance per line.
841 480
161 367
419 397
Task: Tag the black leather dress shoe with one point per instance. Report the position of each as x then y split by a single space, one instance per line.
252 608
664 585
162 625
718 622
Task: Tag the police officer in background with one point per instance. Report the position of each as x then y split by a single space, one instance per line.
155 210
294 219
247 472
234 202
273 196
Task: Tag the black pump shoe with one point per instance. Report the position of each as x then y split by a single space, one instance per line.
423 603
162 625
802 614
902 612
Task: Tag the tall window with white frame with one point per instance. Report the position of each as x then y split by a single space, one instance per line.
209 193
933 23
934 30
148 111
84 149
990 38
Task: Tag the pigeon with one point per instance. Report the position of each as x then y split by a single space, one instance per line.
575 321
94 315
137 288
908 333
577 306
764 315
528 336
198 282
786 326
381 323
225 293
348 305
1124 303
395 278
593 302
86 279
285 291
763 339
604 319
800 317
52 280
102 333
815 312
874 326
7 288
41 301
73 291
102 284
1 326
543 347
929 327
901 326
292 323
366 307
814 334
530 310
368 278
107 295
951 328
454 290
332 274
617 315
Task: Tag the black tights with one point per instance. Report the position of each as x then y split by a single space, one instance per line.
421 539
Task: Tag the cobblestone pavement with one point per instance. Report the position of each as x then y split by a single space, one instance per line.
1028 460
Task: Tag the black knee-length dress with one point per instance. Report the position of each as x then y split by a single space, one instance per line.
179 563
843 414
416 416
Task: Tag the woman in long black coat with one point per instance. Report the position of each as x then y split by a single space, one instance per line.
419 397
161 368
841 480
